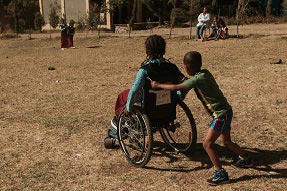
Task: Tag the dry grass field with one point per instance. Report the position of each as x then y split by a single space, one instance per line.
53 122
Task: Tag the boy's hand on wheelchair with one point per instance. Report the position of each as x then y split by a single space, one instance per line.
126 112
154 84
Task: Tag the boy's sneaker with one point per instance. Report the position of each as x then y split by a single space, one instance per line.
219 177
114 123
243 162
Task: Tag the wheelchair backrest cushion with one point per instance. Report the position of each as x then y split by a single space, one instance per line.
160 105
165 72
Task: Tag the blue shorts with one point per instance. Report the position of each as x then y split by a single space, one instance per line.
222 123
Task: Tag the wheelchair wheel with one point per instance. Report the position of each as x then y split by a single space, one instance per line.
135 137
181 135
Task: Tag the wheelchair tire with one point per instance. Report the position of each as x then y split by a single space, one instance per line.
135 137
182 136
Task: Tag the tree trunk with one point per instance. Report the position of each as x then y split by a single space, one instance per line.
131 22
30 33
50 32
214 5
171 27
99 30
242 4
239 8
268 8
190 27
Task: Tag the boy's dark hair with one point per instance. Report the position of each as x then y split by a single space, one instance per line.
221 22
62 21
72 22
155 46
193 59
206 7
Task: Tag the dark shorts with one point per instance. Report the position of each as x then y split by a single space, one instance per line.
222 123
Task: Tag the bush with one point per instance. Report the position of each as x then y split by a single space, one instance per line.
20 26
8 35
39 21
80 24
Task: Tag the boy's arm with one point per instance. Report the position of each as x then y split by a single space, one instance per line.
172 87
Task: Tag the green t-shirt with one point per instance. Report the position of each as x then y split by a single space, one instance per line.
208 92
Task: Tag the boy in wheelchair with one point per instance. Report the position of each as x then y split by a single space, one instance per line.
155 67
210 95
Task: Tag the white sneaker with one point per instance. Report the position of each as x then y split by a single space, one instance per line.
114 123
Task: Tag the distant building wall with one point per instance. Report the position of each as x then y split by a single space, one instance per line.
45 8
68 9
76 9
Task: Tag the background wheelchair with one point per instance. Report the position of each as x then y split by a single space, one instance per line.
162 111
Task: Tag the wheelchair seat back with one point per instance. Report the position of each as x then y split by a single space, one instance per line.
160 106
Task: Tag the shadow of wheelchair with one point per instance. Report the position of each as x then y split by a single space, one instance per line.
262 160
161 150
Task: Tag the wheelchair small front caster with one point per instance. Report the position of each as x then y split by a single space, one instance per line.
109 143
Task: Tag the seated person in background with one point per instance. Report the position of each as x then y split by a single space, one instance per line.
203 23
224 29
216 30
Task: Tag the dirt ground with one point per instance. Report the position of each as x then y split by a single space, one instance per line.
53 122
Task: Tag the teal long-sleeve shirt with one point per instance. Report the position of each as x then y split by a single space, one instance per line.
136 90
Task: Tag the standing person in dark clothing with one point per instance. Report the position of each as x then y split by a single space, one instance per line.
64 34
71 33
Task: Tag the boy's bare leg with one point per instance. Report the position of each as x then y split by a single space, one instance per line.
226 139
202 38
208 144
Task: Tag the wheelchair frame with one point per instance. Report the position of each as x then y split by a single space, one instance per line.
135 132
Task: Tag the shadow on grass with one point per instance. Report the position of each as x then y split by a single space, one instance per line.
160 149
93 46
262 160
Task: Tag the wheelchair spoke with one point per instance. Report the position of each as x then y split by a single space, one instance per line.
133 136
181 134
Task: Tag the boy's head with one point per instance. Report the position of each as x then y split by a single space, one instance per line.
192 62
72 23
155 46
221 22
62 21
205 9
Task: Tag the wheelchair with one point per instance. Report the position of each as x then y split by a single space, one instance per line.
162 111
